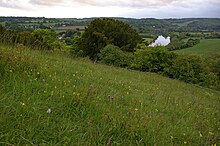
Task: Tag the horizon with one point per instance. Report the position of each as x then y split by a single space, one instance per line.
109 17
158 9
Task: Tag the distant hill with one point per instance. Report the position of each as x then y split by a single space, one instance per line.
142 25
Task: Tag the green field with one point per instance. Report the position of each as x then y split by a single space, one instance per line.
94 104
205 47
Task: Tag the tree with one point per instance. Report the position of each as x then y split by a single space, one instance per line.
102 32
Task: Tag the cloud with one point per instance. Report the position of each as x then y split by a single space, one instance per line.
10 4
125 3
112 8
104 3
47 2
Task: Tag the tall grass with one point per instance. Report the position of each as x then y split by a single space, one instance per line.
92 104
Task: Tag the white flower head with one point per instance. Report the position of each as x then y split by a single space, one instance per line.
49 111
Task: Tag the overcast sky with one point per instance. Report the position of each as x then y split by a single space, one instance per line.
111 8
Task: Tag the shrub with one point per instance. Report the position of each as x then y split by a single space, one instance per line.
210 80
45 38
152 59
113 55
188 68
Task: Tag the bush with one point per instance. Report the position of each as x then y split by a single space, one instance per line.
189 68
210 80
45 38
152 59
113 55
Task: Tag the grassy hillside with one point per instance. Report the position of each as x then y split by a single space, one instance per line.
48 98
205 47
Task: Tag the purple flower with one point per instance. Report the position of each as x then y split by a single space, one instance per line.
49 111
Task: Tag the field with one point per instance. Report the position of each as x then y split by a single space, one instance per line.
50 98
205 47
71 27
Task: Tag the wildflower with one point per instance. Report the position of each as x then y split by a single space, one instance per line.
185 142
200 134
22 103
211 133
136 109
110 129
49 111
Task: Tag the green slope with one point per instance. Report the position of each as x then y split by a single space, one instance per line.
95 104
205 47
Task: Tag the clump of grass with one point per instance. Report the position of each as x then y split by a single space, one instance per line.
92 104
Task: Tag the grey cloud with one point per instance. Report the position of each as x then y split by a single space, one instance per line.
105 3
10 4
126 3
47 2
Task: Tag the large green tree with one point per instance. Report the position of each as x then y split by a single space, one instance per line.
102 32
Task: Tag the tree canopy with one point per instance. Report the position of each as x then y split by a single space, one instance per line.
102 32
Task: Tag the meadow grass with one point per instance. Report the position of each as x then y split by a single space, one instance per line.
206 47
94 104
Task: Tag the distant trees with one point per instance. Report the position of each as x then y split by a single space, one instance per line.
38 39
102 32
177 44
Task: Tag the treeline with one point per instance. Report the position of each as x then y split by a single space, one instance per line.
43 39
144 25
176 44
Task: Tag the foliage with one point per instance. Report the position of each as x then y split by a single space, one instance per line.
178 44
187 68
192 69
102 32
113 55
43 39
75 49
152 59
